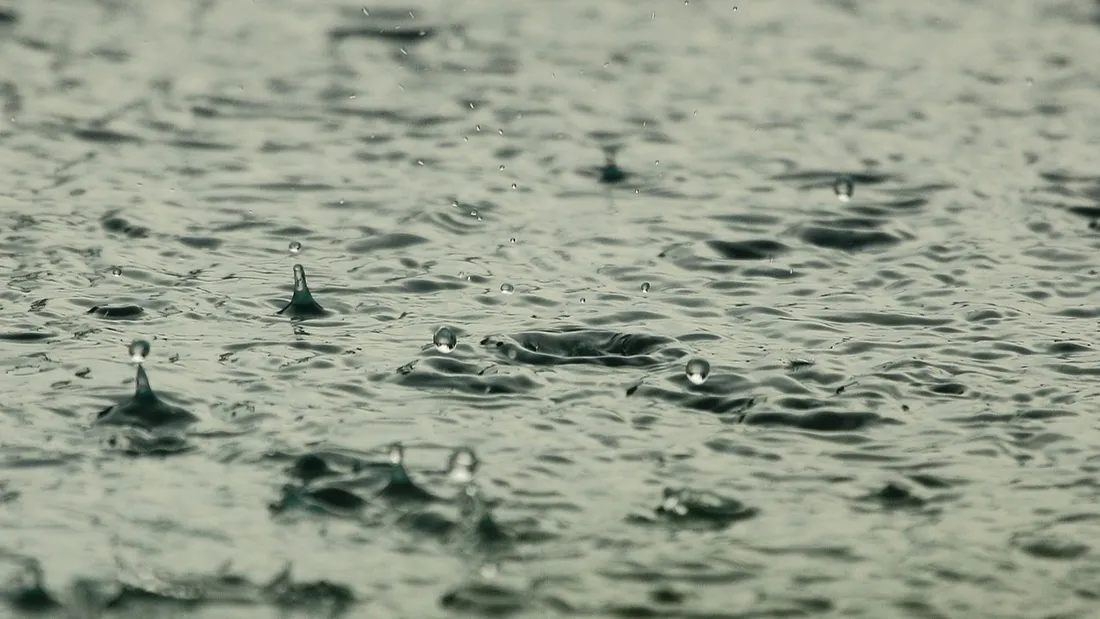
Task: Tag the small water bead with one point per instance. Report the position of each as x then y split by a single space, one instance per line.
697 371
462 465
645 286
295 247
445 340
507 288
512 240
844 187
139 350
116 271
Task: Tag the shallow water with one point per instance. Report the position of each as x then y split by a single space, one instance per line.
900 410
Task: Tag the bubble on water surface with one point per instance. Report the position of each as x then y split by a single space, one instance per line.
445 340
116 271
295 247
697 371
507 288
139 350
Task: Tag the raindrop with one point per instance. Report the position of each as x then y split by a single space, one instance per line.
295 247
462 465
139 350
507 288
116 271
396 454
843 187
445 340
502 167
514 186
697 371
582 300
512 240
645 286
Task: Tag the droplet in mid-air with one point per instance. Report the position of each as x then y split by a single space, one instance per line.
697 371
301 304
645 286
116 271
139 350
295 247
462 465
507 288
844 187
445 340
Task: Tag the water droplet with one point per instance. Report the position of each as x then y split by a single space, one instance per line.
697 371
116 271
645 286
844 188
139 350
512 240
582 300
514 186
462 465
501 167
507 288
295 247
445 340
396 454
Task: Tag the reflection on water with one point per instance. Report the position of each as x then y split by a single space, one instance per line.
765 310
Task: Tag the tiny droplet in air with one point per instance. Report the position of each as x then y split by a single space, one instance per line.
295 247
844 188
116 271
445 340
507 288
697 371
139 350
645 286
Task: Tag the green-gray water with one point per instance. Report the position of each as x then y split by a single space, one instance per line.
900 416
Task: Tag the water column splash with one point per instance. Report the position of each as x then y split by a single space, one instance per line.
475 520
400 486
301 303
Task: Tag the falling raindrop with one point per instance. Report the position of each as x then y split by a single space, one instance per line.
116 271
445 340
697 371
139 350
844 187
507 288
295 247
645 286
462 465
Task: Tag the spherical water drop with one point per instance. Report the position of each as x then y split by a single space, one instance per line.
507 288
645 286
116 271
697 371
462 465
295 247
844 187
139 350
512 240
445 340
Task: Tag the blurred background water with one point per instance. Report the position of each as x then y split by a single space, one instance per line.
759 309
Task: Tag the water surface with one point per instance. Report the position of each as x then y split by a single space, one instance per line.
900 414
